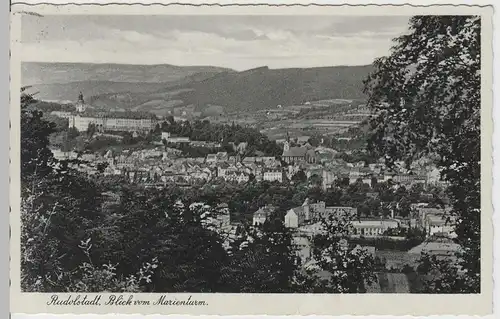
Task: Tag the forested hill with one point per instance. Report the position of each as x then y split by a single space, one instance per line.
50 73
63 81
264 88
162 87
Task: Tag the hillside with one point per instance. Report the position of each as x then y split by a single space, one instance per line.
67 92
63 81
161 89
264 88
49 73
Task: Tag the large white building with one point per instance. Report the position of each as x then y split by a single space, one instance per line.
273 175
113 121
373 227
82 117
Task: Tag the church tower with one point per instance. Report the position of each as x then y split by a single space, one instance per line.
80 104
286 147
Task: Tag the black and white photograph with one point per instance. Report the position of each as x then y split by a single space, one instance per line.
266 154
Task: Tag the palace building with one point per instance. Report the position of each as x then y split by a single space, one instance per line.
83 116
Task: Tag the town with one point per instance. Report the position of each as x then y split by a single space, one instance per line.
165 158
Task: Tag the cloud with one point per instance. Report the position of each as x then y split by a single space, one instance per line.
235 42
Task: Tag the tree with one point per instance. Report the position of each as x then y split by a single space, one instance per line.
72 133
299 177
91 129
315 179
36 157
350 269
127 138
263 260
426 97
101 167
170 229
60 215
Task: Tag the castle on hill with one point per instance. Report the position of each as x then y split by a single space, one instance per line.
84 115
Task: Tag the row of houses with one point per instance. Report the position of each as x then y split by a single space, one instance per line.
307 217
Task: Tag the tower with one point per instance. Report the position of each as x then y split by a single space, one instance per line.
286 146
305 206
80 104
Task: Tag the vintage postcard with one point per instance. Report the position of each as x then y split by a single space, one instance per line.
251 159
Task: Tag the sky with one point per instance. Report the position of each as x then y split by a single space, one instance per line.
237 42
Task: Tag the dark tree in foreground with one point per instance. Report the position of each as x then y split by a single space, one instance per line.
426 97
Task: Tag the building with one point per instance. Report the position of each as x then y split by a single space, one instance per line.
422 212
178 139
295 217
262 215
435 224
372 227
292 155
328 178
61 114
305 214
83 116
80 106
113 121
222 156
310 213
211 159
273 175
165 136
62 155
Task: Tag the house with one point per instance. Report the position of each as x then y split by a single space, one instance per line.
262 214
299 216
422 212
439 224
328 177
248 160
242 177
62 155
373 227
178 139
295 217
61 114
165 135
222 156
273 175
211 158
222 169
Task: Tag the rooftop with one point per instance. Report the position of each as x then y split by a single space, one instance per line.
126 115
295 152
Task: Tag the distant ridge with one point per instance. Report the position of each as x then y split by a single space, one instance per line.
263 88
52 73
160 88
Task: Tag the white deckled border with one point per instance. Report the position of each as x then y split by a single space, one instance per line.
273 304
